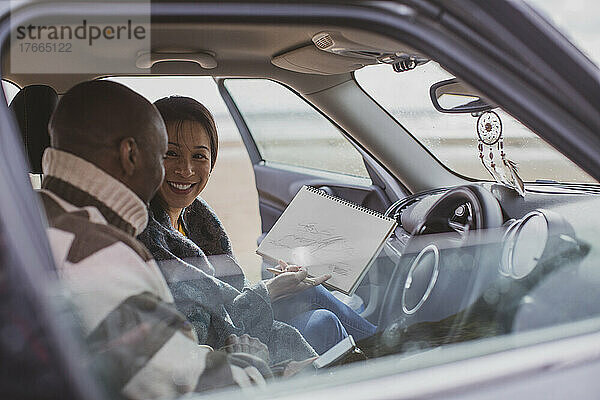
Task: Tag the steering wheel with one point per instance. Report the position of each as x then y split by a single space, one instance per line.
443 269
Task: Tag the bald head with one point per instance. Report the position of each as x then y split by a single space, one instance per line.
114 128
98 113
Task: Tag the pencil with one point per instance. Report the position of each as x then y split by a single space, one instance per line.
275 271
278 272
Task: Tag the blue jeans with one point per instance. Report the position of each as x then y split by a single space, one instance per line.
321 318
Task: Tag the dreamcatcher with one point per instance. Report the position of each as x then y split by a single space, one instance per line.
489 131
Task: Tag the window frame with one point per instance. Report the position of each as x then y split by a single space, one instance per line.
368 20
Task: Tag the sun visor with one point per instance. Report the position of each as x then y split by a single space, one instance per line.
310 60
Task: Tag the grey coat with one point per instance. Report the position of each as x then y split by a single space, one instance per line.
217 307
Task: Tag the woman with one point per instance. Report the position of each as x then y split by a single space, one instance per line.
182 226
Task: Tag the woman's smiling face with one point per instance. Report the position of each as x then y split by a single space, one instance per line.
187 163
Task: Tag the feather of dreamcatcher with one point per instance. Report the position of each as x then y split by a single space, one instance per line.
517 182
506 179
492 172
508 176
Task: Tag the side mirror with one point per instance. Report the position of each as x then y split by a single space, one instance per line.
453 96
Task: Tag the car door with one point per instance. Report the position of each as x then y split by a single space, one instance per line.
290 144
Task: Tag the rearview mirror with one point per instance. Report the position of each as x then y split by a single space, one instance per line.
453 96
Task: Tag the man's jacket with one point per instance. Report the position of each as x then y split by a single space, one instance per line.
138 341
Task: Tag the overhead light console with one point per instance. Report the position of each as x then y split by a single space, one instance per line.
332 52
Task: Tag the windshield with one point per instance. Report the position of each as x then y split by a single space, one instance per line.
577 20
452 138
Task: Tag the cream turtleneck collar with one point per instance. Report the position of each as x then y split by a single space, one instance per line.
81 183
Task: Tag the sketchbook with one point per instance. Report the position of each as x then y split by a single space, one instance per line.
327 235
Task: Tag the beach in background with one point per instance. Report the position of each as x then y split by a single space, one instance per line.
232 194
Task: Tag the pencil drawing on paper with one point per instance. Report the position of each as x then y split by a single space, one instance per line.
327 236
317 240
340 270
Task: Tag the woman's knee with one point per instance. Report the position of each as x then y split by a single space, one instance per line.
321 292
327 321
321 328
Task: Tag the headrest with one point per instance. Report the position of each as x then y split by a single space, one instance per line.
33 106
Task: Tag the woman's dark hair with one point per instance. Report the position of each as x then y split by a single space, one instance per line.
177 109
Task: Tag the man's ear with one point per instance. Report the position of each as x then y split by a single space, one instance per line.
129 155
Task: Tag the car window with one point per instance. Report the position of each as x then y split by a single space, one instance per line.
452 138
288 130
468 271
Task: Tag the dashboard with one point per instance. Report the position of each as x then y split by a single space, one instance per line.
453 282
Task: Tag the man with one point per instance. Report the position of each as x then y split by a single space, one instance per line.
103 167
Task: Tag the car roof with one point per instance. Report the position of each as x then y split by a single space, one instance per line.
242 49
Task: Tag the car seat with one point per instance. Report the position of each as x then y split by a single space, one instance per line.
34 363
33 106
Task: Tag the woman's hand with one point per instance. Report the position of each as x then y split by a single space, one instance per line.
296 366
291 279
289 368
